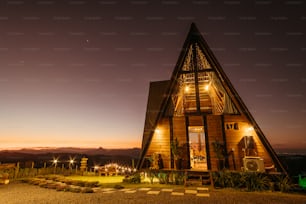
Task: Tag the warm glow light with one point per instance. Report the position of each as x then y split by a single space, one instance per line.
250 129
186 88
157 131
55 161
206 87
71 161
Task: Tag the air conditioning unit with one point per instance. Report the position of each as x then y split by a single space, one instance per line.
253 164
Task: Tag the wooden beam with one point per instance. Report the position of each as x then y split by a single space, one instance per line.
207 143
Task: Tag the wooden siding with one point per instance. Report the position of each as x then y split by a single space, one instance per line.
214 128
196 121
236 127
161 142
179 129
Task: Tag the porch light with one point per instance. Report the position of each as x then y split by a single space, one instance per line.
157 131
249 129
187 89
206 87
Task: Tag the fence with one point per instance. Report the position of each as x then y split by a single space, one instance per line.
14 171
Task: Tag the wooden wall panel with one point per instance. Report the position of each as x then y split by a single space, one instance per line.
179 129
214 128
235 136
161 142
195 120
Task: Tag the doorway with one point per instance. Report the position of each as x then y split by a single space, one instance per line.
198 160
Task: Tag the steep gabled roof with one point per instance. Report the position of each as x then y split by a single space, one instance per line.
194 36
156 96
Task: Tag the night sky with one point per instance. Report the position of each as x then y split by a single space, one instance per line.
77 73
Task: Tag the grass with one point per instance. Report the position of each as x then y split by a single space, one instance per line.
100 179
111 181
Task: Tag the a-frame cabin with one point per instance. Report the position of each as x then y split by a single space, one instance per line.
199 113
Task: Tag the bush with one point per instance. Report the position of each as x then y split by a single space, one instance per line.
256 181
284 183
179 178
163 178
135 178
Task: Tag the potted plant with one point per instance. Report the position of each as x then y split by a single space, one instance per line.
176 151
220 154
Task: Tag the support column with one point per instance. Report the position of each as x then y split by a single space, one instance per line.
187 142
171 140
207 143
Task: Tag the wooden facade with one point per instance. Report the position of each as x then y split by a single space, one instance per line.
200 110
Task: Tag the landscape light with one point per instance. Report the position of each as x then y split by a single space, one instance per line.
55 161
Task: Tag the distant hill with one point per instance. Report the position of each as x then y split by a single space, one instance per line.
39 156
132 152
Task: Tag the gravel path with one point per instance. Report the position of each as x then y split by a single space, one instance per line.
20 193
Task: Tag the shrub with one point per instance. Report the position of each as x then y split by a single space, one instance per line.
135 178
256 181
178 178
223 179
163 178
284 183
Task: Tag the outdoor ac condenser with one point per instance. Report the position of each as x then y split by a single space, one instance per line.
253 164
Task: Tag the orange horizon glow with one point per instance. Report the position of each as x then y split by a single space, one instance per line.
114 144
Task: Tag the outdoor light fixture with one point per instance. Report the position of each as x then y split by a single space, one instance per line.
186 88
206 87
250 128
157 131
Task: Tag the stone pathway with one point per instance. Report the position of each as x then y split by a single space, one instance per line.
199 191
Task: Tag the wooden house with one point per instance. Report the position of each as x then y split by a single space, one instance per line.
197 121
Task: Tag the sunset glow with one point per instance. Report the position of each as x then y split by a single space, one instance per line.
78 75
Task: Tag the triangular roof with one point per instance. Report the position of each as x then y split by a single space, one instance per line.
194 36
156 96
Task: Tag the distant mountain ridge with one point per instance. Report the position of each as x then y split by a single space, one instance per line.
133 152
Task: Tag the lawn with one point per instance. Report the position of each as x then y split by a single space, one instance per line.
101 179
110 181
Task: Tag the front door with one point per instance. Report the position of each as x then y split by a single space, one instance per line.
197 148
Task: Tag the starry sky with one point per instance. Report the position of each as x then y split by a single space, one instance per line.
77 72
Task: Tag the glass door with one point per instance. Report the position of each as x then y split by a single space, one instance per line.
197 148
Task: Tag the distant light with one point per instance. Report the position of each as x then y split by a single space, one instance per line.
55 161
96 167
71 161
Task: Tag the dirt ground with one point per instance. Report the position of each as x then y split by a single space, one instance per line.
20 193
